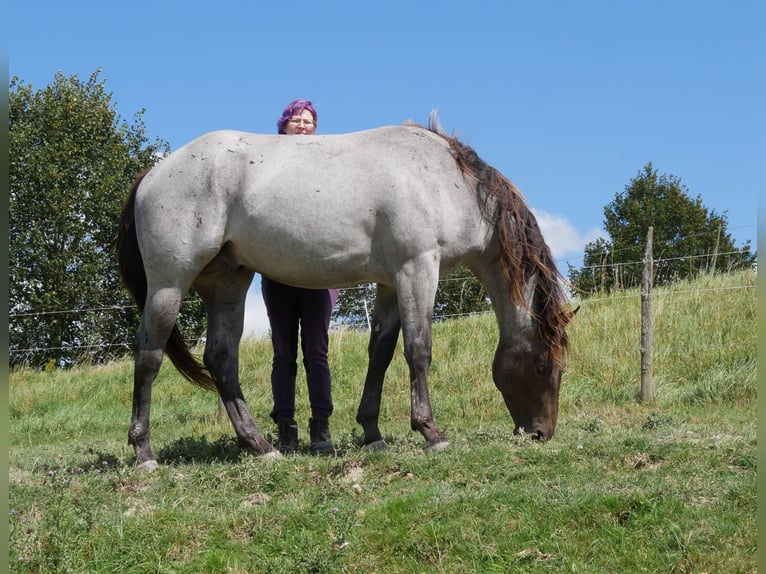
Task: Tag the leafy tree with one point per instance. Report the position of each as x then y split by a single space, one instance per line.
355 305
688 239
458 294
72 160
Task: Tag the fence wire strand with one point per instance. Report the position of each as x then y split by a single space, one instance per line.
193 300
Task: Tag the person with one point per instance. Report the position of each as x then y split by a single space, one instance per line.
291 309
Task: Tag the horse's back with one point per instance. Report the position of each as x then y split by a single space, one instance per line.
322 209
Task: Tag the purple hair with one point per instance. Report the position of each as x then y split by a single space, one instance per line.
293 109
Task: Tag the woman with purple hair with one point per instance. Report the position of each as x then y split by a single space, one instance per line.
292 310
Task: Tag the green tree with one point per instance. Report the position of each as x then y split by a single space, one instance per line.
688 238
460 293
72 160
355 305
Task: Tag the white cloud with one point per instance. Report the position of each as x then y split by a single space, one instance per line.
561 236
256 319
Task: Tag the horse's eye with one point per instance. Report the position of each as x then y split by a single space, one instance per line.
543 366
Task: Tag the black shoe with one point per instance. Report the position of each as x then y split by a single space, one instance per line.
287 441
321 442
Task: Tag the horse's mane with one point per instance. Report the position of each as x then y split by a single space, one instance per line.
523 251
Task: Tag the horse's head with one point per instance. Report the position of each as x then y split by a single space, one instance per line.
529 383
528 374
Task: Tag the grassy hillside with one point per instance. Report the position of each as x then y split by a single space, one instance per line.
622 487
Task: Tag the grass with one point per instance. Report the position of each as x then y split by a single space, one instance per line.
622 487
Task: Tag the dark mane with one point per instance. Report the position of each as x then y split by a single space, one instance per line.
523 251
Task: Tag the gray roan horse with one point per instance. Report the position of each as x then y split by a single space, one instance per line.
398 206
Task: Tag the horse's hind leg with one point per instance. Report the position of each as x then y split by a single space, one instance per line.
383 338
156 325
224 297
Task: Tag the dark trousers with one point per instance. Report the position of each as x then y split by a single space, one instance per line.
290 310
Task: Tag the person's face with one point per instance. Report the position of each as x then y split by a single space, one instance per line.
302 124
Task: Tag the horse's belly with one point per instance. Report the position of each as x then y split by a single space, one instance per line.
309 260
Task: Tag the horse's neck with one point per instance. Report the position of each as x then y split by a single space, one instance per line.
514 320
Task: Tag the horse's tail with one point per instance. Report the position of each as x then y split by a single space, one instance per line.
131 267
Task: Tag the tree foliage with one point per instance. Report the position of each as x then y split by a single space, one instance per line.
688 239
460 293
355 305
72 160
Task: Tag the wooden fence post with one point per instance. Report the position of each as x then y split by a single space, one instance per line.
647 321
715 251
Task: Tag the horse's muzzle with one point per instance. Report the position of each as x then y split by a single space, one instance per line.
534 434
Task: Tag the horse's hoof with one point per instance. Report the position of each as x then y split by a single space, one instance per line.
437 446
376 445
147 466
272 454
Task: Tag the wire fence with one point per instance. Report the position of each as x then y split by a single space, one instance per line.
625 292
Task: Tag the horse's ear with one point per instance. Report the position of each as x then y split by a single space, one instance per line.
568 315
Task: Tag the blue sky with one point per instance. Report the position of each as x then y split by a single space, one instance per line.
568 99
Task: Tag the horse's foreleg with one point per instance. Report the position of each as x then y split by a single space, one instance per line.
224 299
417 350
417 291
383 338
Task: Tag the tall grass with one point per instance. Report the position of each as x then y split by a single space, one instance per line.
704 340
622 487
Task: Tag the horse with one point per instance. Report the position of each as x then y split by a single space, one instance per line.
398 206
